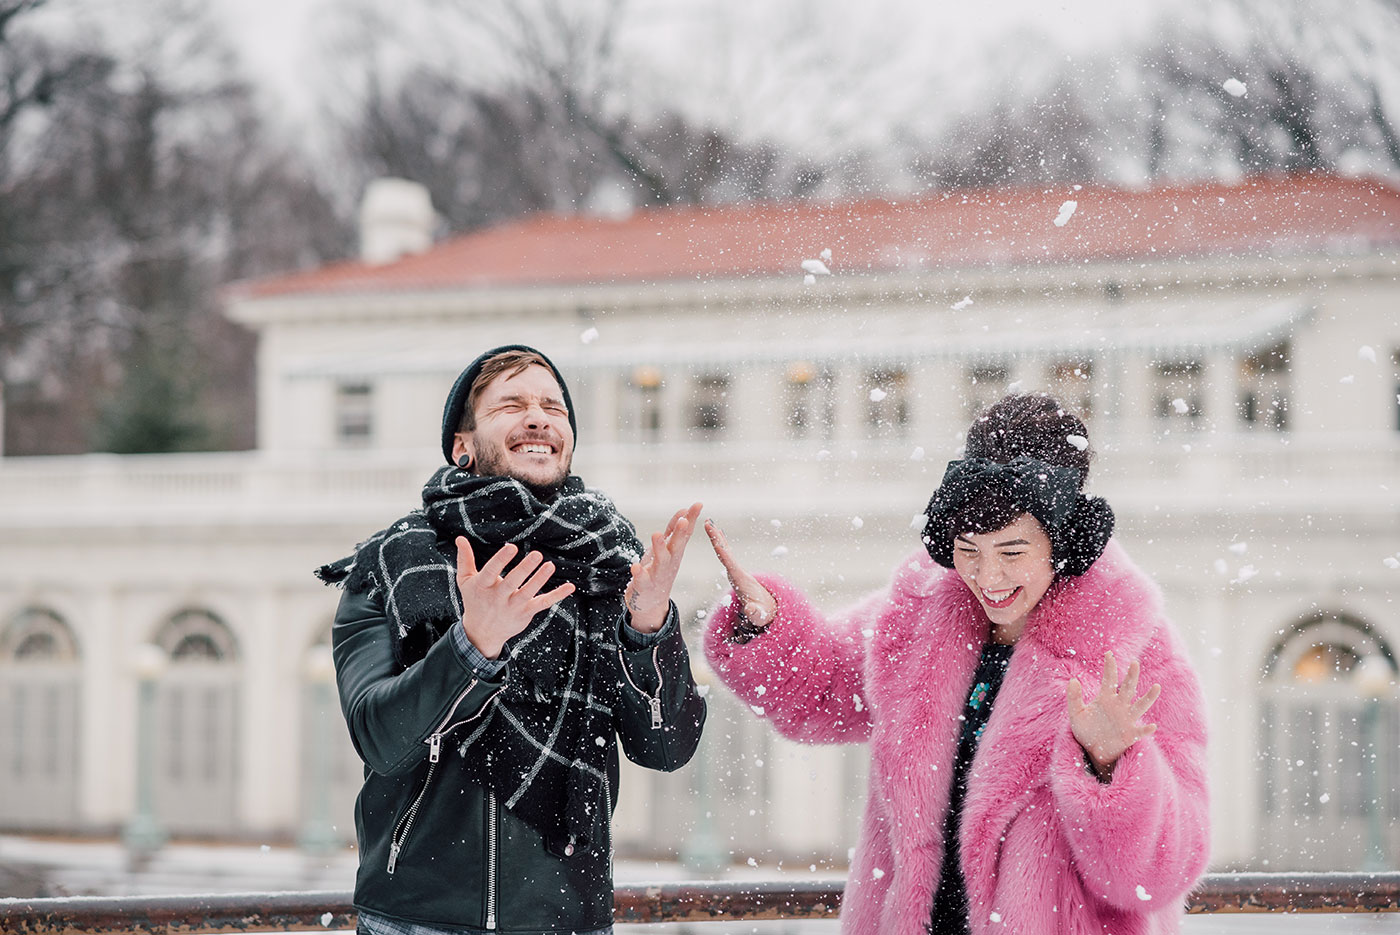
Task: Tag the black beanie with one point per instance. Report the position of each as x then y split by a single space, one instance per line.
457 399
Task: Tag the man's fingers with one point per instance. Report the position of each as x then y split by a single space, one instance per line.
466 562
522 570
497 563
549 598
538 580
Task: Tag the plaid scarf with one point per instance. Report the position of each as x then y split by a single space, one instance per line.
538 746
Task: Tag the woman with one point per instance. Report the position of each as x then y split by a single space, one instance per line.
1013 785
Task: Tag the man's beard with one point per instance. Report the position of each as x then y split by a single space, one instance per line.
493 463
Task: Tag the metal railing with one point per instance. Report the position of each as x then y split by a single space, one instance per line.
638 903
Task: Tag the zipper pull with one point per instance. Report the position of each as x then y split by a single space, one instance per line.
434 750
393 857
656 713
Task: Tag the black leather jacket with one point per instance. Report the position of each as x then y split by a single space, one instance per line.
459 860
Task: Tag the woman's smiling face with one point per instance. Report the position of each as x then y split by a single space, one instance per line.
1008 570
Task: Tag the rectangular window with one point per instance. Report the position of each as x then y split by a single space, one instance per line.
709 404
1264 388
354 414
811 401
1072 383
643 404
986 385
887 402
1179 394
1395 384
1303 767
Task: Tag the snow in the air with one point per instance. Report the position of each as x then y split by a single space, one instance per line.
1235 87
1066 212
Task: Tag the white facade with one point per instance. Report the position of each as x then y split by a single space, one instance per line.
1245 411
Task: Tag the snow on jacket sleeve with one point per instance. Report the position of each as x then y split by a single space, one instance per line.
1144 834
804 672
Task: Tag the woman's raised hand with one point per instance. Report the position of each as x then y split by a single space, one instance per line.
756 603
1109 725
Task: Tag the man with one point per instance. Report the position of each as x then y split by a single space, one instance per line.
491 649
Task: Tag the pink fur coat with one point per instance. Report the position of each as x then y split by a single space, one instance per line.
1046 848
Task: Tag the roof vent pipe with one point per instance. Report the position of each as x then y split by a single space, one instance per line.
396 219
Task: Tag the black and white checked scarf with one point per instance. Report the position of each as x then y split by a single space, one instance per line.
544 746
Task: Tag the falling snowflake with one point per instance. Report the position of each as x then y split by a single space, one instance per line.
1234 87
962 303
815 267
1066 212
1078 441
857 522
809 280
1180 406
877 394
877 873
826 254
1367 353
589 335
1142 893
326 920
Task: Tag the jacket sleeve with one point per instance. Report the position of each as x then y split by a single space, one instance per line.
1143 834
393 715
661 712
804 672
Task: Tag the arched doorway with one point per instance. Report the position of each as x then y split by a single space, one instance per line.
1328 747
39 697
196 737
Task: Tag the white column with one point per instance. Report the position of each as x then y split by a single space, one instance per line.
106 729
270 709
1222 394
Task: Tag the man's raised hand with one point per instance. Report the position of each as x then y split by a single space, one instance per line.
495 607
648 594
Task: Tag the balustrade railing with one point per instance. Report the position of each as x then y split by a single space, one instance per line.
638 903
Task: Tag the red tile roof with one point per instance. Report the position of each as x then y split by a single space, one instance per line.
1008 226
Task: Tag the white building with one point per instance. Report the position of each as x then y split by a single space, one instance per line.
1235 348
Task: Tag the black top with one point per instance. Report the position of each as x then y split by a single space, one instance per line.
950 907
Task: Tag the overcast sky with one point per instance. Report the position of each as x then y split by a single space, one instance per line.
903 50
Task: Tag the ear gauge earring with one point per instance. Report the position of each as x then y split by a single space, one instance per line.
466 463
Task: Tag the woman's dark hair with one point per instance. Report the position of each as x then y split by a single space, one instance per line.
1032 424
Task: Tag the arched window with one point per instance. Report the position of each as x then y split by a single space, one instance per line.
197 636
1328 744
40 688
38 635
197 725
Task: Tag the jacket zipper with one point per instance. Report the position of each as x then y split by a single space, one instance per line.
653 701
434 741
405 824
491 854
